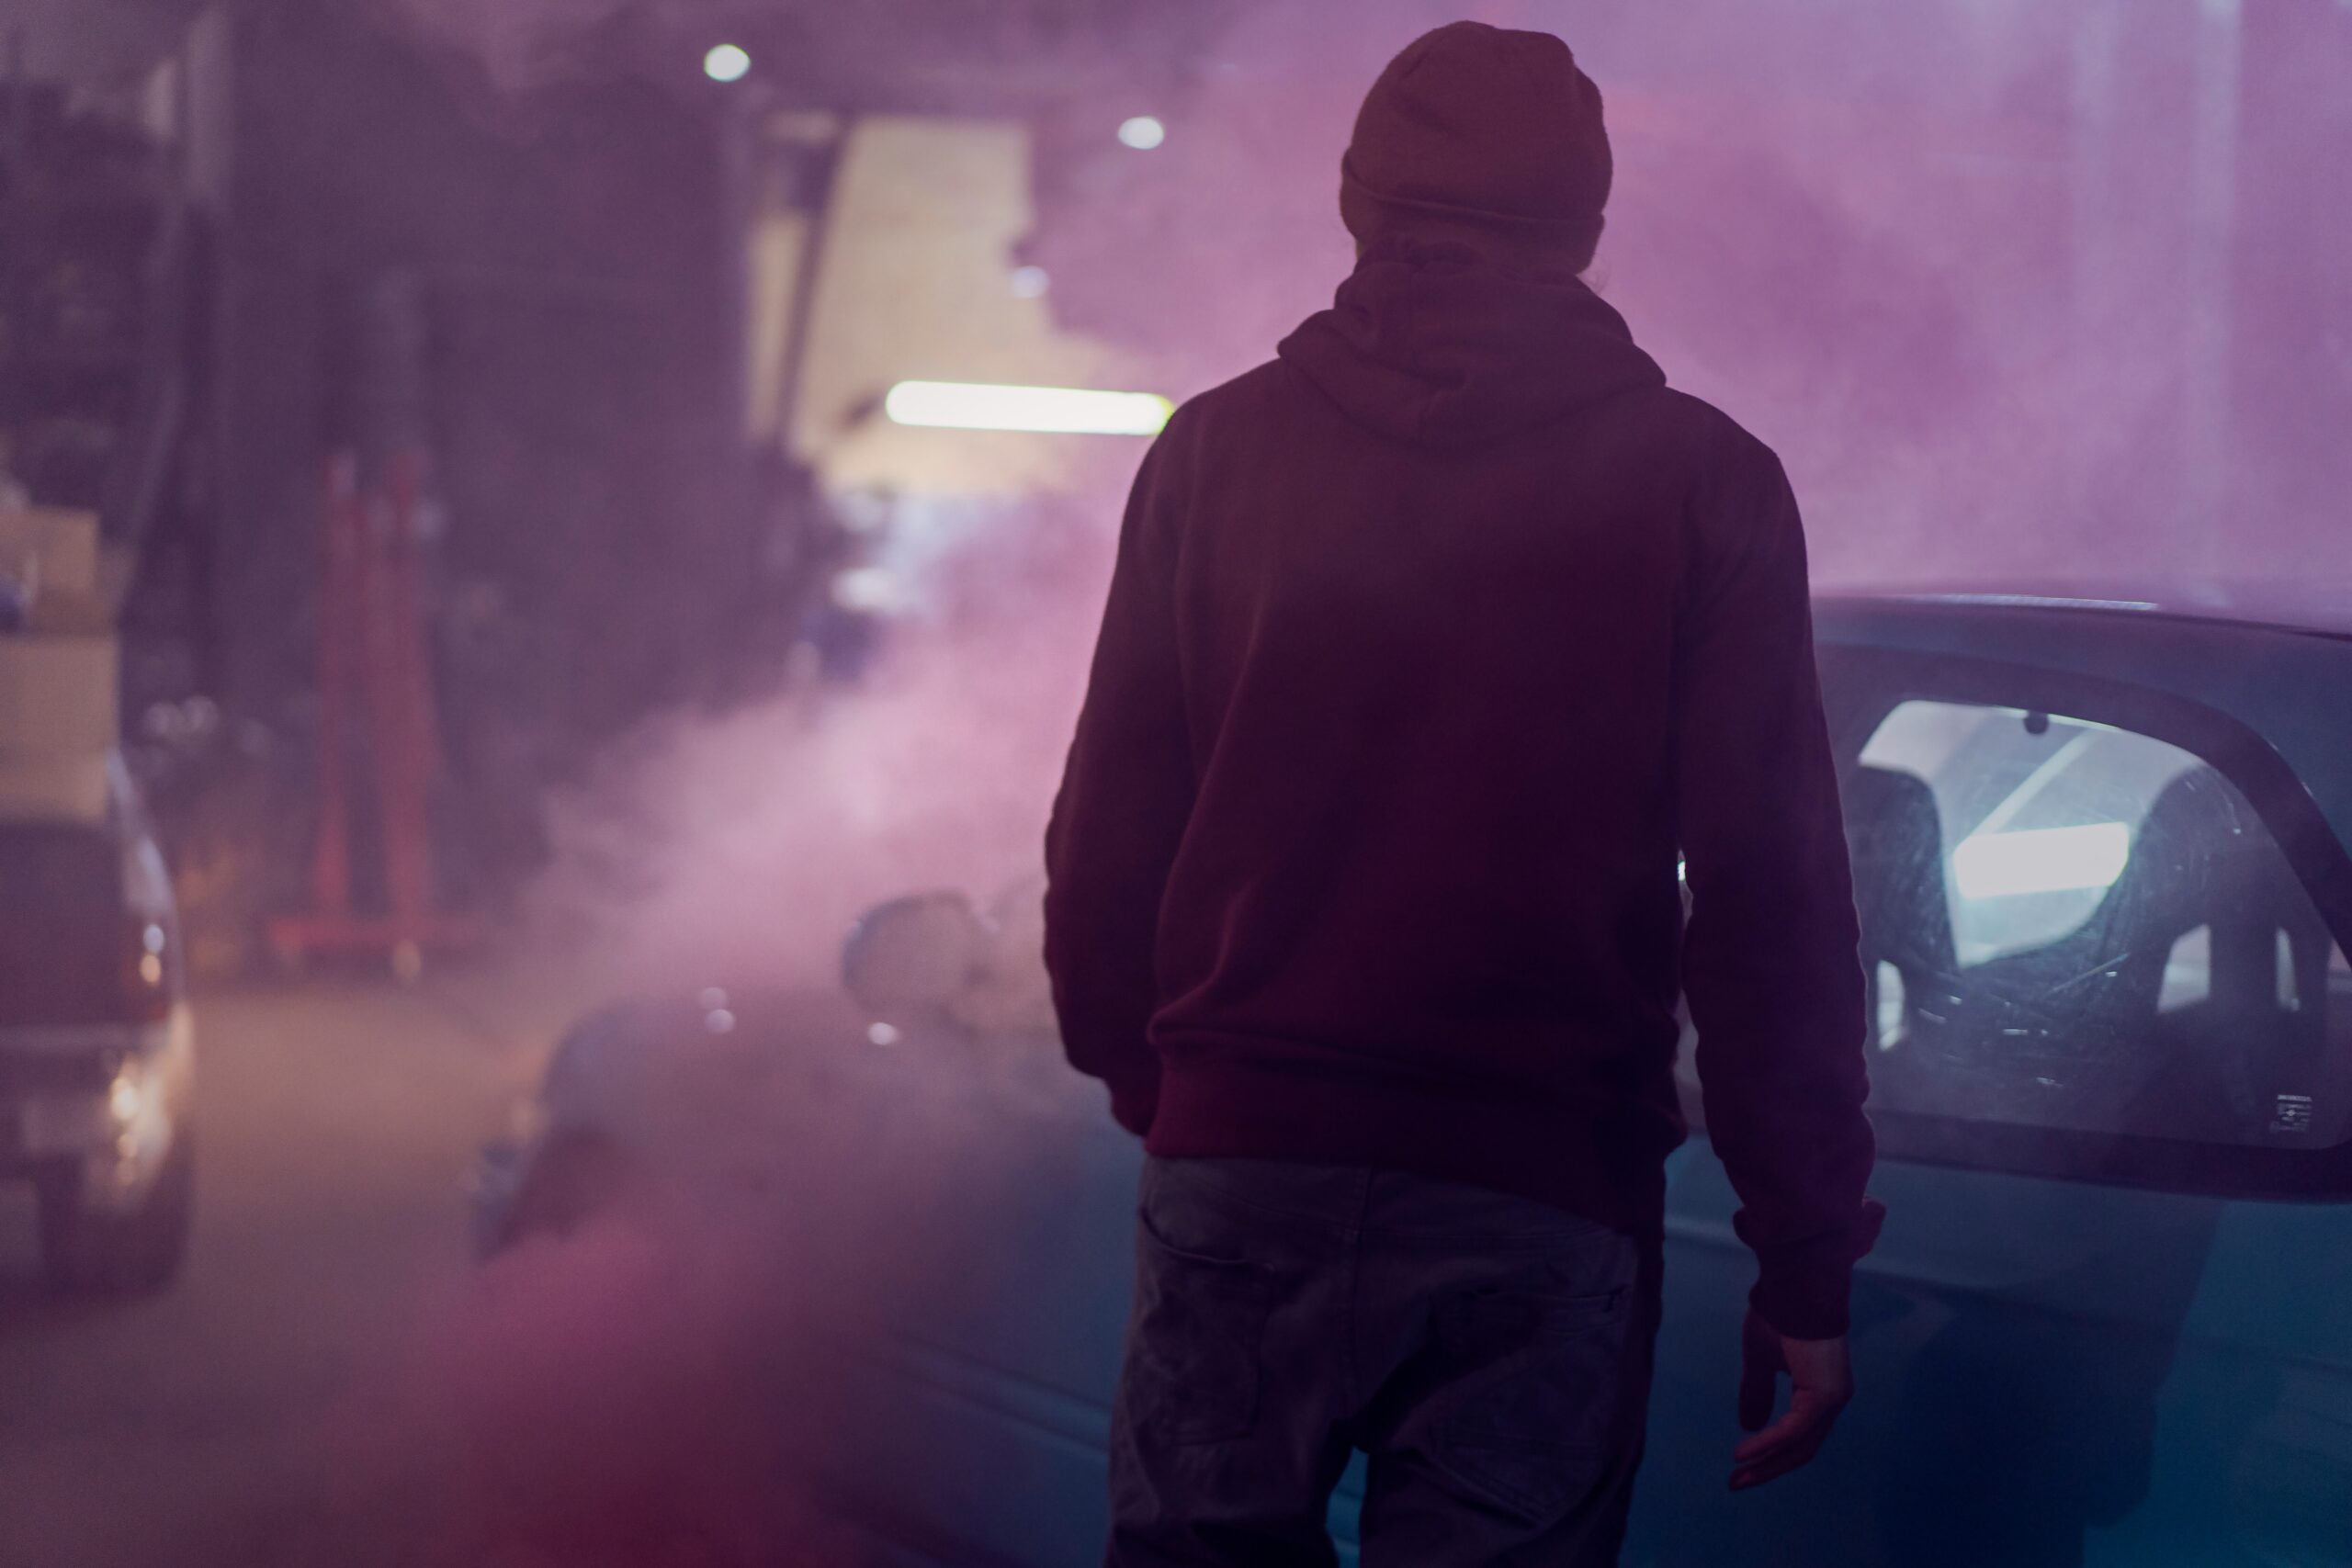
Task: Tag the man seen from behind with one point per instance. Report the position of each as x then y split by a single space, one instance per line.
1433 647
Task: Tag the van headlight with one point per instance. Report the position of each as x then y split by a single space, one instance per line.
127 1095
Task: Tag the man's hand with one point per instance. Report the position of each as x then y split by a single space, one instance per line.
1821 1379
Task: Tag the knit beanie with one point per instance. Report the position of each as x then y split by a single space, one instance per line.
1480 124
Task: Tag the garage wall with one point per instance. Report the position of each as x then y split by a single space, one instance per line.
573 257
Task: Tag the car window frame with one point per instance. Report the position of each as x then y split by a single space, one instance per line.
1861 686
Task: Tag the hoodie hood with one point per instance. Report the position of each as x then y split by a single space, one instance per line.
1434 345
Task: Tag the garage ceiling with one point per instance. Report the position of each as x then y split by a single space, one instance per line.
99 44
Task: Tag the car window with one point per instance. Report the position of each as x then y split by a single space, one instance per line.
2070 925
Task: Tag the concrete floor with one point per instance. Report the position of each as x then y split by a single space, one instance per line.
239 1416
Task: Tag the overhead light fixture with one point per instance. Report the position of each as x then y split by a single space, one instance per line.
727 62
1143 132
967 405
2044 860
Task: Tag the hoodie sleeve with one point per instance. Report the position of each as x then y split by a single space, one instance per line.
1769 959
1125 798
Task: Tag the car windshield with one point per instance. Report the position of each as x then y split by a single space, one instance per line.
551 556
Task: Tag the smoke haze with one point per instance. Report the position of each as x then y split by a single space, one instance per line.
1958 263
1973 268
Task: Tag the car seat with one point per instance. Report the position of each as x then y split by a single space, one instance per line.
2083 1016
1895 837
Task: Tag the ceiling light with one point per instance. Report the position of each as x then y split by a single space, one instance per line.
964 405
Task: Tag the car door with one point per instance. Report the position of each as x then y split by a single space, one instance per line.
2111 1318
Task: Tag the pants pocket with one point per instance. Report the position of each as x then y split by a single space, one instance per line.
1529 1417
1192 1351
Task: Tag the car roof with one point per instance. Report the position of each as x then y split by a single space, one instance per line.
2323 608
2278 661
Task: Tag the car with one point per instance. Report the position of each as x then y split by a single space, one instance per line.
2100 852
98 1044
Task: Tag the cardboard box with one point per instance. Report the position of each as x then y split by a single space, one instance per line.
66 614
58 695
53 549
52 789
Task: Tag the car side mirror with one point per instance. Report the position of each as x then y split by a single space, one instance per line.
913 955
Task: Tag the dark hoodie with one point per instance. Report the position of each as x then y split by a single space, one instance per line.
1428 646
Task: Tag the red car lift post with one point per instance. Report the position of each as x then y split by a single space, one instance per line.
375 688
